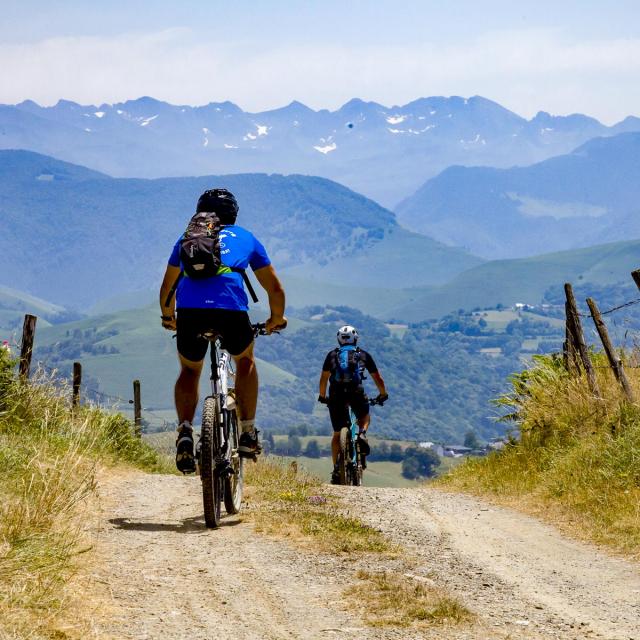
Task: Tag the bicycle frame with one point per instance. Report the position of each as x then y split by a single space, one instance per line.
221 369
355 428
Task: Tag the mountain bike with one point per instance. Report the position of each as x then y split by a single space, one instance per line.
351 463
219 463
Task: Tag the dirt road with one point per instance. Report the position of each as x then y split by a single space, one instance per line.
166 576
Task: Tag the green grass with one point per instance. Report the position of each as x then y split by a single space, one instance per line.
391 599
296 506
49 458
577 462
377 474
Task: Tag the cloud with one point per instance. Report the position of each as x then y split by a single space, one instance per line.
524 70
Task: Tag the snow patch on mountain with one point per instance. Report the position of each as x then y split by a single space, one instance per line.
99 114
396 119
327 149
145 121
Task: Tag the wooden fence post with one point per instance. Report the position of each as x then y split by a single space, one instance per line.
574 330
614 361
26 348
636 277
77 381
137 409
569 353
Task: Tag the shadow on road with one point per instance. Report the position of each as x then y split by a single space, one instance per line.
188 525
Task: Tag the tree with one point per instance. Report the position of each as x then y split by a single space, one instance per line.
471 440
312 449
395 453
419 462
410 468
294 445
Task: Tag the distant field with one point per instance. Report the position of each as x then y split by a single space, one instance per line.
377 474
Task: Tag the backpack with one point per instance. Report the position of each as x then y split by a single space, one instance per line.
200 253
200 246
348 364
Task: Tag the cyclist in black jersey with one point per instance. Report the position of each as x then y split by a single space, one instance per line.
343 371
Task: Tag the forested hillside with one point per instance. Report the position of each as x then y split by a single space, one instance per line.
91 237
589 196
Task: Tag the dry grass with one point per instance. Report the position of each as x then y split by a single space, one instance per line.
578 460
296 506
49 458
391 599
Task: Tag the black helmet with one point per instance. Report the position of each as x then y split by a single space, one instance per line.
221 202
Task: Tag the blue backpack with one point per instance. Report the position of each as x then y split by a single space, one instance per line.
348 366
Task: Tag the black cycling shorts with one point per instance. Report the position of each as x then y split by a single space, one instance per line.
234 328
340 401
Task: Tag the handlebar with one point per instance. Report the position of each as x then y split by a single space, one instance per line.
260 329
371 401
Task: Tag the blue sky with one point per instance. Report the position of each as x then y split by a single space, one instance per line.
561 57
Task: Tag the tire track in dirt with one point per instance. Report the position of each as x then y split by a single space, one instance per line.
514 571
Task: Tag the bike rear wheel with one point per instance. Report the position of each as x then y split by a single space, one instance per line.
344 459
234 484
212 483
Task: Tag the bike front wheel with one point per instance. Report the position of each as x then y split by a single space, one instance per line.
212 483
233 484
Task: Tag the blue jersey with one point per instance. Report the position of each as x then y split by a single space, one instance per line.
238 248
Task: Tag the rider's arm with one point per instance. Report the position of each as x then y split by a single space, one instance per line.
377 378
271 284
170 277
324 380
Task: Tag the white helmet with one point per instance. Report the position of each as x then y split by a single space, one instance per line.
347 335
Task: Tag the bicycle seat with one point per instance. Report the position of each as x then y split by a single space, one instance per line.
209 335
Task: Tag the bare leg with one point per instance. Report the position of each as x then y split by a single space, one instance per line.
246 384
363 423
186 389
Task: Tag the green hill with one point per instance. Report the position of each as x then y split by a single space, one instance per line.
524 280
99 237
14 304
117 348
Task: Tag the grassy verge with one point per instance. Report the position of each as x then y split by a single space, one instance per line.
49 458
578 459
296 506
393 599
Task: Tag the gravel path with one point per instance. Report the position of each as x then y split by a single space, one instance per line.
167 576
512 570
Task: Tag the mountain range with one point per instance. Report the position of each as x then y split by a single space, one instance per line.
383 152
589 196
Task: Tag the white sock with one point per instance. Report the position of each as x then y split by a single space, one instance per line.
185 423
247 425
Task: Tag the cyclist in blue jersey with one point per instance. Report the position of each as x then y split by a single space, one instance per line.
219 303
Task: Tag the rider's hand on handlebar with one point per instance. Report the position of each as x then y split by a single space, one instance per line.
382 398
275 324
323 400
169 322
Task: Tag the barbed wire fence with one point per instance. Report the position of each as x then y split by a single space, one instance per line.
575 351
